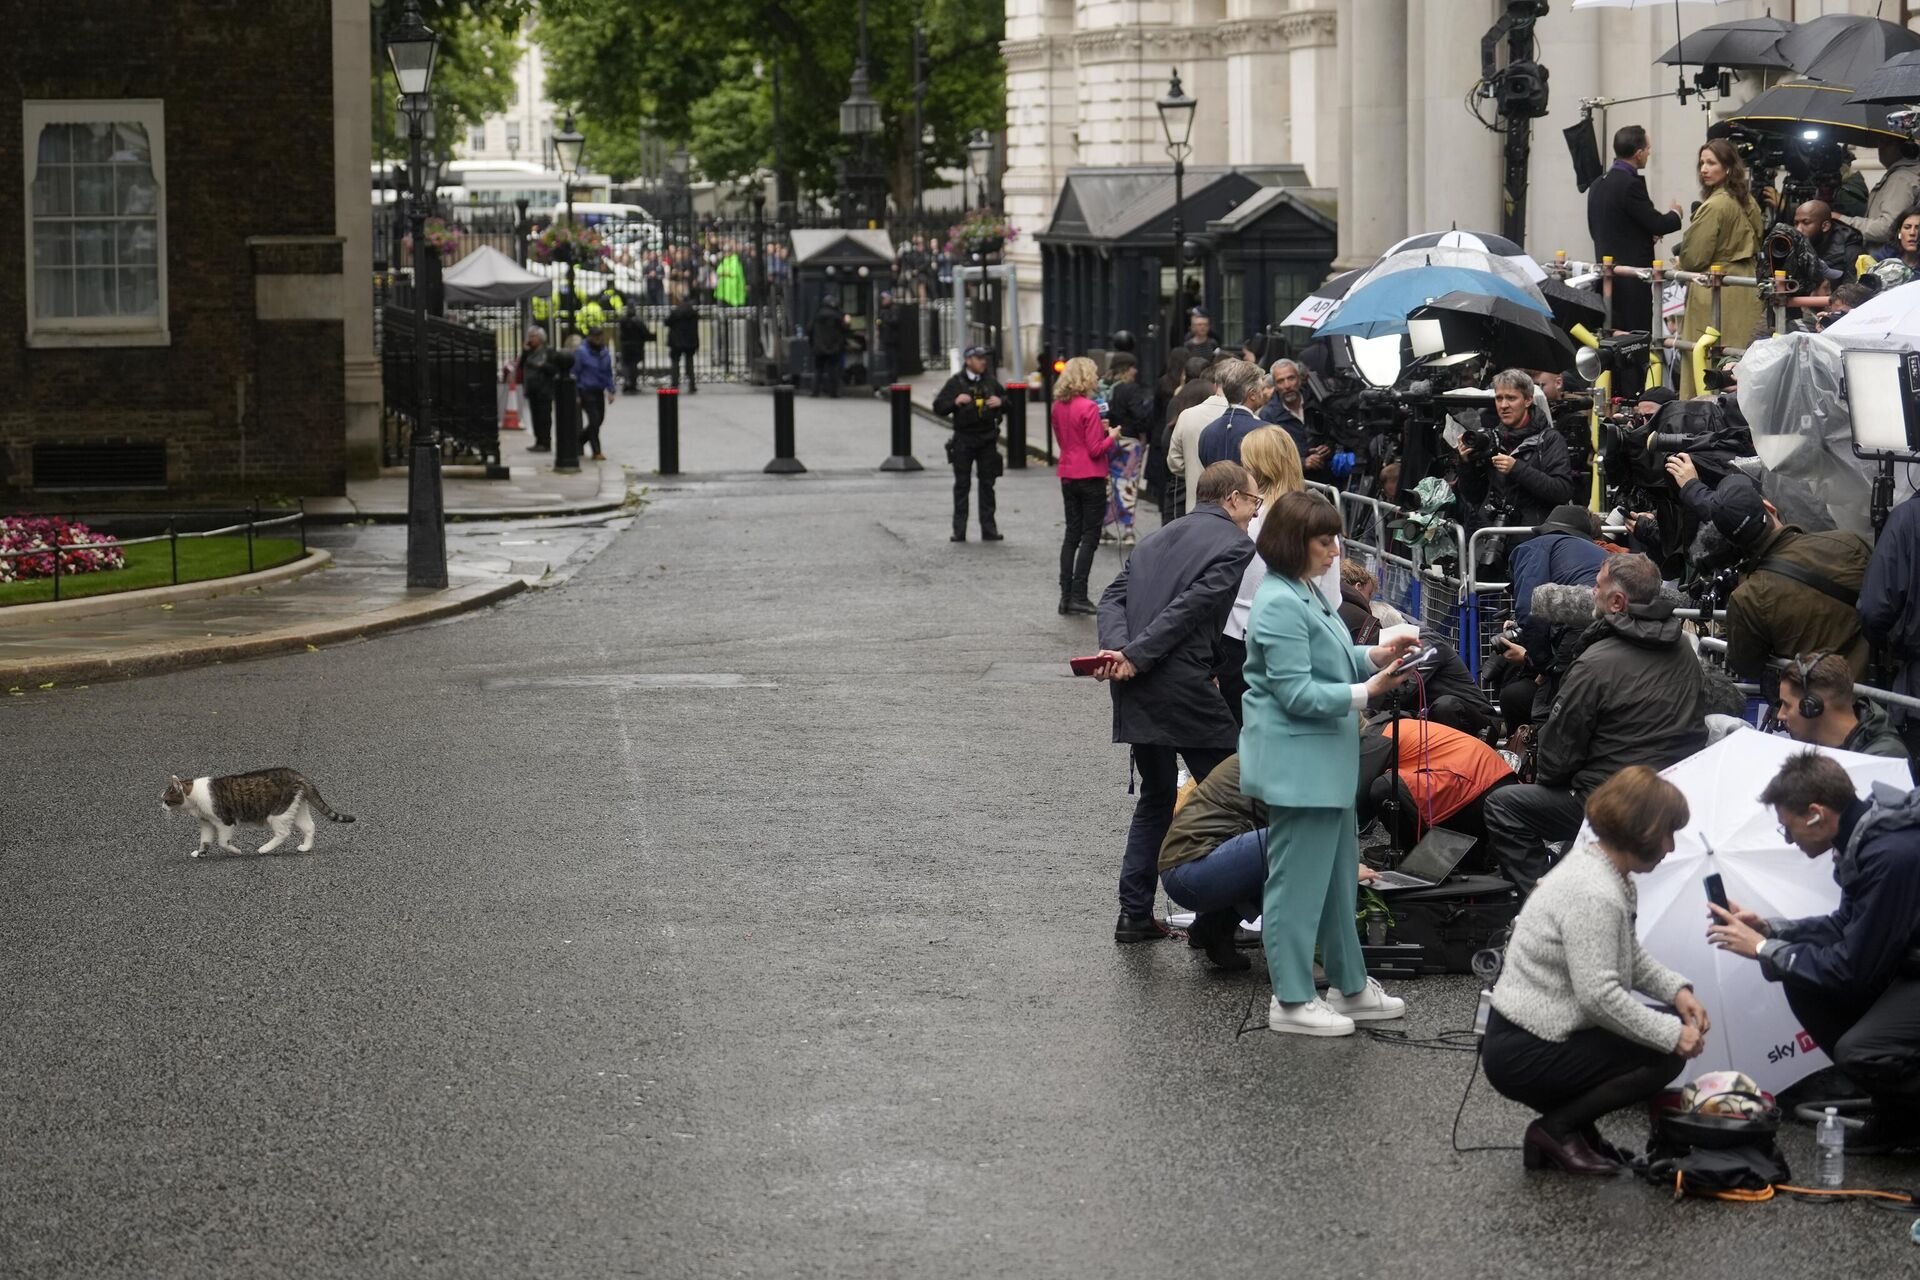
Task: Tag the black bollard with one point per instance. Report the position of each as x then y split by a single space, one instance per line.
784 463
566 415
1017 427
902 458
669 402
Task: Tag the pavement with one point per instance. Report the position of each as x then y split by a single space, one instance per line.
741 907
531 488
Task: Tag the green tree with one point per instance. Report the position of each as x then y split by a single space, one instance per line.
687 73
472 76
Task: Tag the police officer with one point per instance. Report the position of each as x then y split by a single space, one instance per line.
976 403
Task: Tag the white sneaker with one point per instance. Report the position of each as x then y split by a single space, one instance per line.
1313 1018
1372 1004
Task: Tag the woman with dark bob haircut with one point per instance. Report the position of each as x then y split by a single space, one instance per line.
1566 1036
1300 752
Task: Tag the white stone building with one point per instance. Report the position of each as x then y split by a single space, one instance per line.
1370 96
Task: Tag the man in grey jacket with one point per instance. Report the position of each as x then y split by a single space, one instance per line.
1897 191
1634 695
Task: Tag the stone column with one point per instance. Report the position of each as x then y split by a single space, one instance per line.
353 215
1258 97
1570 44
1315 90
1453 163
1373 201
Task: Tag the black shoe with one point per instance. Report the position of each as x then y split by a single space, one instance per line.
1245 938
1066 603
992 535
1080 604
539 448
956 537
1212 932
1881 1135
1140 929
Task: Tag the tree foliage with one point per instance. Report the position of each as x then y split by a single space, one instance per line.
702 74
472 77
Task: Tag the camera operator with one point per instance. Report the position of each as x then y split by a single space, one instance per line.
1515 469
1852 978
1897 191
1837 244
1634 695
1799 592
1816 704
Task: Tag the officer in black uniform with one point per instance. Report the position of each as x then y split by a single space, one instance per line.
976 403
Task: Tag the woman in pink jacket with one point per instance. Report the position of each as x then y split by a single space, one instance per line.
1084 443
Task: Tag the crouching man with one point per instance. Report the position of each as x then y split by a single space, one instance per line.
1852 977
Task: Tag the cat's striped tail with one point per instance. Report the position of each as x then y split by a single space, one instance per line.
324 809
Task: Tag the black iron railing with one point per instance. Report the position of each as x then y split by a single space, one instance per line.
249 523
462 375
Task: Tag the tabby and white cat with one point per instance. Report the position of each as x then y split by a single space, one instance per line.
277 798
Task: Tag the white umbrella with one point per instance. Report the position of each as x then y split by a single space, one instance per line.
1483 241
1460 255
1732 833
1890 320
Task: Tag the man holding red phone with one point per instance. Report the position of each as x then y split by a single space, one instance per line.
1160 624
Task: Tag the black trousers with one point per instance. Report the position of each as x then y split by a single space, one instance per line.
1232 675
972 454
1086 505
630 362
540 408
1153 813
826 375
677 358
1572 1082
593 411
1522 820
1876 1041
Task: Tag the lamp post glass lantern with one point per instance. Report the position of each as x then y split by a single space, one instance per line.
1176 120
567 145
859 120
980 159
411 50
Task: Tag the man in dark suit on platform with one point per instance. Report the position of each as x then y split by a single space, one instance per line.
1625 226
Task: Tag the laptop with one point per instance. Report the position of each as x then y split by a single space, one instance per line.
1430 862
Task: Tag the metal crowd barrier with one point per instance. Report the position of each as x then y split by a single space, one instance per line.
1425 596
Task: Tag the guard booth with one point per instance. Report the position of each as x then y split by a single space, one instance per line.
852 267
1256 234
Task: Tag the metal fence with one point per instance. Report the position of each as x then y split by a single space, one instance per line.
249 526
462 379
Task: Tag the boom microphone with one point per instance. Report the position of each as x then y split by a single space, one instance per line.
1571 606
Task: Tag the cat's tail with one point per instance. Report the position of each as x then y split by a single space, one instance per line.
324 809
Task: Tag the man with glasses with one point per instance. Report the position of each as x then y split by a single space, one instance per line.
1160 628
1851 977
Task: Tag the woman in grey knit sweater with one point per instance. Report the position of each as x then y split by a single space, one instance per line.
1566 1036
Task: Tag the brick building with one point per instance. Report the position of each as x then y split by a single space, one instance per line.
190 319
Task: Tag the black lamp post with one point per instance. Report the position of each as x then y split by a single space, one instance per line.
979 159
859 120
411 50
1176 119
567 145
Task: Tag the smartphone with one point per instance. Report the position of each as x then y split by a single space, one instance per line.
1086 666
1717 892
1423 658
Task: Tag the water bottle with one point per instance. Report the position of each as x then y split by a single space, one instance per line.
1829 1152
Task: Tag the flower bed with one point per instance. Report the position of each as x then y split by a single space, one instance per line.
41 534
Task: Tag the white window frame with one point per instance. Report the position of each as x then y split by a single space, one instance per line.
96 331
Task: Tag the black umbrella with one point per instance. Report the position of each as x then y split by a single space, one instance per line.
1751 43
1895 83
1845 48
1573 306
1511 335
1808 106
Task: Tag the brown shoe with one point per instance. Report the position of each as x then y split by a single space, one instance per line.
1571 1154
599 457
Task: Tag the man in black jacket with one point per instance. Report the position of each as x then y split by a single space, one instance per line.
683 340
1852 977
1633 696
1625 226
635 334
828 337
1161 622
1528 473
975 402
1838 244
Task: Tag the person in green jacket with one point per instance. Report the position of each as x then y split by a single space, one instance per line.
730 281
1817 704
1725 231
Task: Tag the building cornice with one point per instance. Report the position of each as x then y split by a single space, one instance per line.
1308 30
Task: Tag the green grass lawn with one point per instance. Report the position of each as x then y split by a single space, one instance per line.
151 565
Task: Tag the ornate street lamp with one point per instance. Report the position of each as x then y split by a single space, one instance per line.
567 145
411 50
1176 119
859 120
980 159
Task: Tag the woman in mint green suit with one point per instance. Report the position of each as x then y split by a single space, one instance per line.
1300 753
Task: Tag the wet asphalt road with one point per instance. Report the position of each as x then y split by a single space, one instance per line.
740 907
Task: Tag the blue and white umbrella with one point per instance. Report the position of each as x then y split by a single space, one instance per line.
1380 307
1484 242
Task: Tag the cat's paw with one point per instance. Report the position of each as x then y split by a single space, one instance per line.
305 848
197 852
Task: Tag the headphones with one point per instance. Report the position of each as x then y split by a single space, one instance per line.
1812 705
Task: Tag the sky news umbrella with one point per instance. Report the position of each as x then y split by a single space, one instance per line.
1745 43
1380 307
1845 48
1808 106
1516 271
1481 241
1319 304
1896 82
1512 334
1732 833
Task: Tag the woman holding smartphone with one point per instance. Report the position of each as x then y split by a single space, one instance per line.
1300 752
1085 441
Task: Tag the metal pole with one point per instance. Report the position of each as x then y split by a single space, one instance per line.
573 251
1017 427
426 502
784 463
902 459
1176 332
253 518
668 398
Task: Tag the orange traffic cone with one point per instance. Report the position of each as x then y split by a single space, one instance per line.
510 419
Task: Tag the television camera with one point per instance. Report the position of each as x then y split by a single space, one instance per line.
1812 163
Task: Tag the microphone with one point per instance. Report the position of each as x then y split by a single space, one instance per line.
1572 606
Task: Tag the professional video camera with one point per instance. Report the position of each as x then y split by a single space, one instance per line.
1785 249
1636 450
1812 166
